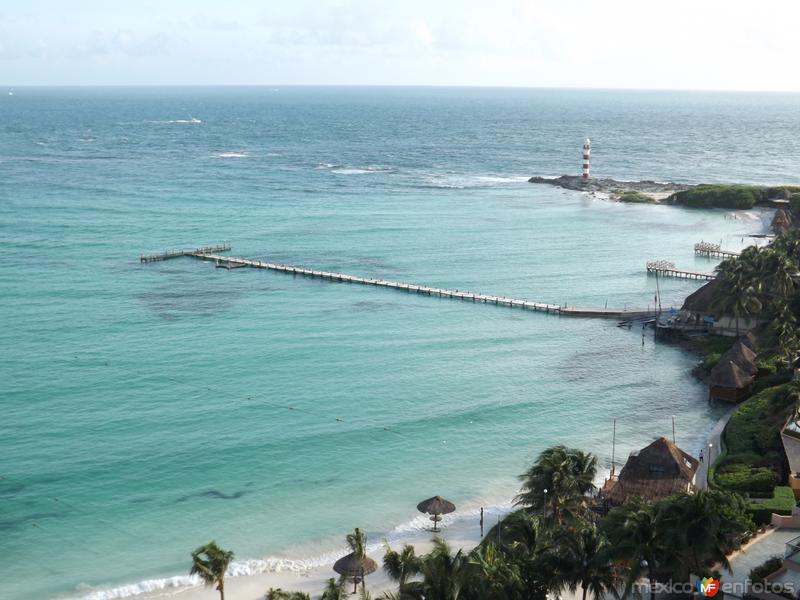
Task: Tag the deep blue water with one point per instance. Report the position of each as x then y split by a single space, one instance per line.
149 408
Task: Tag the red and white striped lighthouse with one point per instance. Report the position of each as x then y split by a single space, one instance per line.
587 154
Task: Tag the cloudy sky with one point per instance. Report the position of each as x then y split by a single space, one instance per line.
674 44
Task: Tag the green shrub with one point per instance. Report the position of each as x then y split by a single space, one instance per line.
794 204
755 425
710 361
768 381
721 196
746 479
635 197
768 567
781 503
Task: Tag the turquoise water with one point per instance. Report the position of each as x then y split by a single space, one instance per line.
150 408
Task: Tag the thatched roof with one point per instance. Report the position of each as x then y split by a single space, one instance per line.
657 471
351 566
729 375
749 340
742 356
436 506
700 301
781 220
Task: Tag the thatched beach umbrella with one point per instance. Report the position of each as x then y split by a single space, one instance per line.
357 564
355 568
436 506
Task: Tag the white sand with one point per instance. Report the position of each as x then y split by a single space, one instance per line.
461 533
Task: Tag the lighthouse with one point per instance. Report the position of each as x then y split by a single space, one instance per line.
587 153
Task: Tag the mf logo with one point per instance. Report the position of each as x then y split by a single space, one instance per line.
708 586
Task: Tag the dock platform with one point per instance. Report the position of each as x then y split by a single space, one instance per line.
712 250
147 258
665 268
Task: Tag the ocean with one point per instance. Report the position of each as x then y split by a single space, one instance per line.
150 408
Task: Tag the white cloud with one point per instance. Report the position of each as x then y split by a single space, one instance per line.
580 43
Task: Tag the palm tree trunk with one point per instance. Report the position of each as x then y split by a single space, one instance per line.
221 588
584 591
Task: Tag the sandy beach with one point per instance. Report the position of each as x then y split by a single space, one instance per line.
458 531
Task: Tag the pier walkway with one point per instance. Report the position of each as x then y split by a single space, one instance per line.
146 258
230 262
664 268
712 250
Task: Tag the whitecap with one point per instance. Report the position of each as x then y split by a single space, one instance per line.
231 155
191 121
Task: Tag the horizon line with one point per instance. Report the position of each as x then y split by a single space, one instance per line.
392 86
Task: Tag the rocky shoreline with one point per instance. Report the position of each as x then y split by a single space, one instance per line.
656 190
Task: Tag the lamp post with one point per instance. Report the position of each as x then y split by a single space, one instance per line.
544 506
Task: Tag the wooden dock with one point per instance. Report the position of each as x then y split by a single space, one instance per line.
664 268
712 250
147 258
406 287
230 262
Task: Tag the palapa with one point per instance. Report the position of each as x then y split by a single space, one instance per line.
436 506
729 375
742 356
353 566
655 472
700 301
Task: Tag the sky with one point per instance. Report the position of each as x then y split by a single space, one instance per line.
641 44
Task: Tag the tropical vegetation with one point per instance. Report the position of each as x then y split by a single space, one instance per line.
560 540
730 196
210 562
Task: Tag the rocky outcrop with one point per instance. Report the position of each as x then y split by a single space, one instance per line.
610 186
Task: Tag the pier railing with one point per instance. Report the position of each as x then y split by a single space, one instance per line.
665 268
146 258
712 250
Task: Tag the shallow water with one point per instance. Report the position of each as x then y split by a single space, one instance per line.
150 408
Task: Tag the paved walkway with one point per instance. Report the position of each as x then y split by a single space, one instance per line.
712 449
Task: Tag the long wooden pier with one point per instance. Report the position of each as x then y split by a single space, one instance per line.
230 262
712 250
664 268
146 258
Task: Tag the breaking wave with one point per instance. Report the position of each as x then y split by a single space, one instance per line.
399 534
231 155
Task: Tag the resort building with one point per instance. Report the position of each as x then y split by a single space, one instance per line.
729 382
732 379
697 313
653 473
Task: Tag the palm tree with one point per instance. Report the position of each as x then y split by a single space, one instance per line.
704 524
558 481
333 590
494 576
786 331
583 561
401 565
358 544
210 562
443 573
737 295
636 536
279 594
778 272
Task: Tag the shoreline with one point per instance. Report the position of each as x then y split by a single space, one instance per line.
250 578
